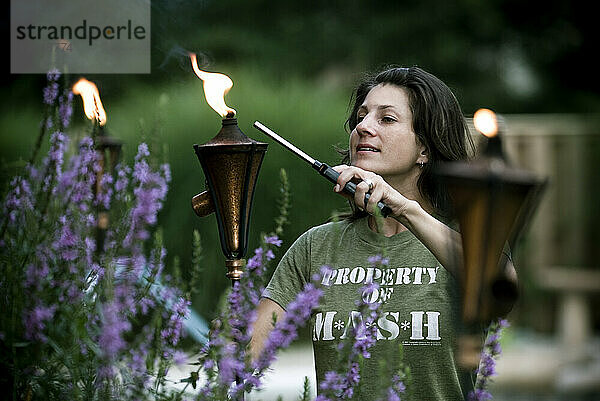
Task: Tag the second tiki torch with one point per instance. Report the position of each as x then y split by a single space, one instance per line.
231 162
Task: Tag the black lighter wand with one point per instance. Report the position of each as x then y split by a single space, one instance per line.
323 168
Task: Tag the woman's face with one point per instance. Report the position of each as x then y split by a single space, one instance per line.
384 141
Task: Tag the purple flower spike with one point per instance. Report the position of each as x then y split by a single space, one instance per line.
180 358
35 322
274 240
50 93
65 108
53 75
150 190
285 331
487 364
111 340
479 395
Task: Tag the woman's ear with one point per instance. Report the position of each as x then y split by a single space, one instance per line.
423 155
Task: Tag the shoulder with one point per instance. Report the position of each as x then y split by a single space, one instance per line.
327 230
331 226
319 237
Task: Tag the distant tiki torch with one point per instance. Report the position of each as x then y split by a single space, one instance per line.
493 202
107 147
231 162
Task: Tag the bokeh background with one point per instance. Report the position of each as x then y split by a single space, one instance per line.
294 65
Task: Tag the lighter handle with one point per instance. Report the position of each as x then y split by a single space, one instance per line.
326 171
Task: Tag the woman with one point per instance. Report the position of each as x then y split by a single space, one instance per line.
404 121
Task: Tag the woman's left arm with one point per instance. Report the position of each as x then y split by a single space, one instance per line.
441 240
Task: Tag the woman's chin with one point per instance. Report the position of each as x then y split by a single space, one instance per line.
363 164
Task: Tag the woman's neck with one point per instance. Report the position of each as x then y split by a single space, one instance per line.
387 227
391 226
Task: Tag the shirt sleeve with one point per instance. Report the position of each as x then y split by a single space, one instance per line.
292 273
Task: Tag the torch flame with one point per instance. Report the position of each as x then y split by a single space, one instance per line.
215 87
92 106
485 122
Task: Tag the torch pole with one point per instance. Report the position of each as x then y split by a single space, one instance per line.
231 162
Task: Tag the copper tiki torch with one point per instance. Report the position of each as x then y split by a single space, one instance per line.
107 147
231 162
493 201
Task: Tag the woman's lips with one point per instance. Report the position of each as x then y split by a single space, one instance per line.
366 149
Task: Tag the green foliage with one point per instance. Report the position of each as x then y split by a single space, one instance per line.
305 390
196 269
284 204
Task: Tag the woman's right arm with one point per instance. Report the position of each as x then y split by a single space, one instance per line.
264 324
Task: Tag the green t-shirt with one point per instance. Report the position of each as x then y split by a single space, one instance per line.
419 311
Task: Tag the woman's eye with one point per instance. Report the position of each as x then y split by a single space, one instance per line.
388 119
359 118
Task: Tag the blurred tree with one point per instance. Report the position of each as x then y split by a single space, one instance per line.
513 56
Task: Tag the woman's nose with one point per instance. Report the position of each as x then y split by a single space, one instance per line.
365 127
